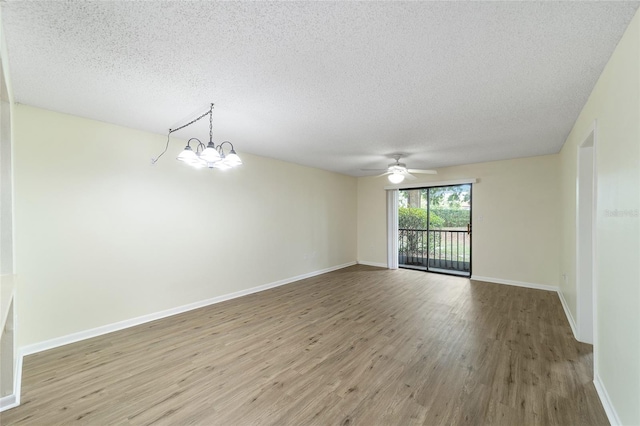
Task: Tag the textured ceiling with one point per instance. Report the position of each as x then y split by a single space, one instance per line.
335 85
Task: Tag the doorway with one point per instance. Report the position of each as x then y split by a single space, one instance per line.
585 244
434 229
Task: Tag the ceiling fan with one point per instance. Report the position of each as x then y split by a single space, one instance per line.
398 171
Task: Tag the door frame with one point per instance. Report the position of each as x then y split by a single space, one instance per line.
586 208
392 218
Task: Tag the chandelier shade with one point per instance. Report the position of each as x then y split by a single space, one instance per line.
210 154
188 156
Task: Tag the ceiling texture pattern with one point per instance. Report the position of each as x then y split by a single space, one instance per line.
335 85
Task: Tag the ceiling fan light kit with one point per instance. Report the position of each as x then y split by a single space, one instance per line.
210 155
396 177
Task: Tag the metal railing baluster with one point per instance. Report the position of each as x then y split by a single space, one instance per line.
433 248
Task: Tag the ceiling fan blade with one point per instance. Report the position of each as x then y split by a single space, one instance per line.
409 176
372 170
383 174
424 172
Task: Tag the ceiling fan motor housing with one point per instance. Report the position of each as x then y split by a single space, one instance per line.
398 168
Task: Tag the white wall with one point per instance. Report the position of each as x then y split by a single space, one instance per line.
615 104
515 218
103 236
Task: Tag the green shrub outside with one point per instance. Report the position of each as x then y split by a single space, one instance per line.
452 218
416 218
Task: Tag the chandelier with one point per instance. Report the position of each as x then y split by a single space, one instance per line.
209 155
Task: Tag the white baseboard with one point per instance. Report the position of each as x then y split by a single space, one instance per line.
109 328
13 400
515 283
8 401
379 265
606 401
567 313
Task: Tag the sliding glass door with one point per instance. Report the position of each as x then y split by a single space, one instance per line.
434 229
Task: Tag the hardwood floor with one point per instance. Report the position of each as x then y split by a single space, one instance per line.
358 346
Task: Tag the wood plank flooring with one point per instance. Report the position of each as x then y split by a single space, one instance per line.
358 346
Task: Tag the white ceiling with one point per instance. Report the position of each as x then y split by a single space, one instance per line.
334 85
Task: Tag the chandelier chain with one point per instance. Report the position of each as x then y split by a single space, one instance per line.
190 123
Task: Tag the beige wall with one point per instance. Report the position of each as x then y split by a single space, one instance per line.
104 236
6 174
515 218
615 104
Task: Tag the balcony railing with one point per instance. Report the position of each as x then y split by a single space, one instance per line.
435 249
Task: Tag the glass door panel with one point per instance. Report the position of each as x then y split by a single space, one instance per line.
434 229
